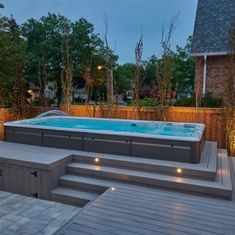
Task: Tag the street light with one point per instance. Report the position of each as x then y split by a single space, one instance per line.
110 81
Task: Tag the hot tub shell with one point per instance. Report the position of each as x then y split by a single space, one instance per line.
179 149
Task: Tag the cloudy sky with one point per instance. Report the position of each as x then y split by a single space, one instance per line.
127 19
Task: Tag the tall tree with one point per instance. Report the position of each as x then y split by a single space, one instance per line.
19 91
67 71
123 76
6 59
44 42
165 70
13 90
136 80
109 63
184 68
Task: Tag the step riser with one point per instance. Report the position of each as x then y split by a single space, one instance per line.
151 182
69 200
145 167
82 186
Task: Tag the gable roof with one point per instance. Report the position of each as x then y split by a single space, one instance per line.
211 30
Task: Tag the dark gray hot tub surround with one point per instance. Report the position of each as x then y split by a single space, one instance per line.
172 148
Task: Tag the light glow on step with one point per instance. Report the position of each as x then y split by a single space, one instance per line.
113 188
179 180
97 160
179 170
97 168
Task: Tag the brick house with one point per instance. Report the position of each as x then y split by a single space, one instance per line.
211 45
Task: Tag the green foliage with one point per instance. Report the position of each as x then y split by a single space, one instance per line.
208 101
13 90
12 83
44 55
147 102
37 54
6 63
18 94
149 74
123 75
184 68
185 102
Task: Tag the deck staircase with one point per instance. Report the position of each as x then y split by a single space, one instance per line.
89 175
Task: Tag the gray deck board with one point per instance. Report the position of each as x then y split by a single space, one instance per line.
232 167
45 156
108 183
219 165
197 204
196 185
174 225
205 155
169 208
226 179
133 209
213 152
31 156
165 212
187 199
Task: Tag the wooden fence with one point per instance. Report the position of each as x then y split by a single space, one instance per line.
212 118
5 116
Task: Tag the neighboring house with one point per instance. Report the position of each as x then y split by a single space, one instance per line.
33 91
79 91
50 90
211 45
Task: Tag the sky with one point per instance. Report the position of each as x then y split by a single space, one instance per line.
127 19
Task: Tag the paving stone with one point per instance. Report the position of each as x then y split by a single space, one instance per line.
33 211
48 214
4 194
19 223
11 217
11 232
4 211
20 215
4 224
50 229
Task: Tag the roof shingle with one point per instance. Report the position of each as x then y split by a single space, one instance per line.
212 25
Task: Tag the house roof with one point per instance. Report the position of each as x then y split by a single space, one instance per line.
212 25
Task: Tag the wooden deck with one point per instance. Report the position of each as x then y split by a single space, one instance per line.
133 209
138 210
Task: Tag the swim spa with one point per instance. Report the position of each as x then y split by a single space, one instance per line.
181 142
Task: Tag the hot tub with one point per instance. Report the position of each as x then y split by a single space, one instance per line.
180 142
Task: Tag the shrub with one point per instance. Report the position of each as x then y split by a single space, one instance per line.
207 101
147 102
185 102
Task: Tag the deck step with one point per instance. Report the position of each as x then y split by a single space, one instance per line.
83 183
89 181
206 169
222 186
72 196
